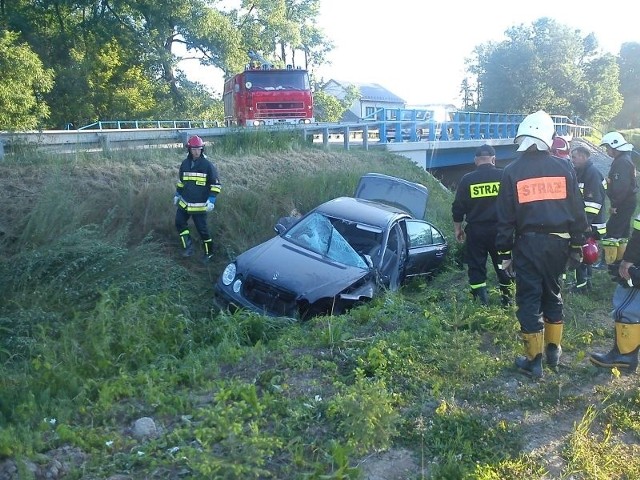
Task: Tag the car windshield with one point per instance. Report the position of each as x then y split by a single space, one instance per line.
316 233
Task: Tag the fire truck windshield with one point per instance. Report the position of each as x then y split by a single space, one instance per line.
277 80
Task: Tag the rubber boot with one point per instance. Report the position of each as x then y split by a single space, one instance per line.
624 353
622 247
610 247
531 363
552 340
480 294
187 243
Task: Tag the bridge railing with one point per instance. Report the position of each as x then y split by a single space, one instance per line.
430 125
384 126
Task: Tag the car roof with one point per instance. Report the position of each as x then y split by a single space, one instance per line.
362 211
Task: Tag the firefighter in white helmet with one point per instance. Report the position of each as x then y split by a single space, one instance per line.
622 191
541 219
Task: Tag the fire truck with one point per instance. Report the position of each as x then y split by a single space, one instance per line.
264 95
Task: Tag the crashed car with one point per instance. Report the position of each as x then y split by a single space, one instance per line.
340 254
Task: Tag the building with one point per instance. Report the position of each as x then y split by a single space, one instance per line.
373 97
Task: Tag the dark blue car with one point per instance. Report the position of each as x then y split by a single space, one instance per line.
340 254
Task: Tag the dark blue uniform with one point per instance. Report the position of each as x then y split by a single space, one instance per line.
198 182
540 211
475 202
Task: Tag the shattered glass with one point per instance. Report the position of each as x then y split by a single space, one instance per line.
316 233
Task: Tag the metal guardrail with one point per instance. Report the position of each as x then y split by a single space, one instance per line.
140 124
115 134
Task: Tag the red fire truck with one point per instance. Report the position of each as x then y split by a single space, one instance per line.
263 95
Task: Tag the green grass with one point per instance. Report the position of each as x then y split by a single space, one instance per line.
103 322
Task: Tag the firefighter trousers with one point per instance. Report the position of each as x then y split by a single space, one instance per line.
539 261
481 244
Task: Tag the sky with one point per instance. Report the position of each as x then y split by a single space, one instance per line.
417 48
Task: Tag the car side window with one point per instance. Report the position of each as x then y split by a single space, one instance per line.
422 234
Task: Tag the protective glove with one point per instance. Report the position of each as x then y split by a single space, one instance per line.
210 205
575 257
176 199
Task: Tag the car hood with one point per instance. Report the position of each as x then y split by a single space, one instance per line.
283 264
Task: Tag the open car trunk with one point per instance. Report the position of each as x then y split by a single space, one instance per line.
409 196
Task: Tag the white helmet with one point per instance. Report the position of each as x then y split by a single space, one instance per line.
536 129
616 141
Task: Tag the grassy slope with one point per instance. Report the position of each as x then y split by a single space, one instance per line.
102 323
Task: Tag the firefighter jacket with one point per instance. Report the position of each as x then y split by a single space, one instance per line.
539 194
621 181
476 196
198 181
593 187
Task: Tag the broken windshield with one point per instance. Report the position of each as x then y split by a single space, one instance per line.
316 233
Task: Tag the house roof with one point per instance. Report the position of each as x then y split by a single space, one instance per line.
371 91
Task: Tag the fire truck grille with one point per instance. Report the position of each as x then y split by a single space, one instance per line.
272 299
277 109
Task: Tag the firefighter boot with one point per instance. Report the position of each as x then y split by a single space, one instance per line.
187 243
624 353
552 339
610 247
480 294
531 363
622 247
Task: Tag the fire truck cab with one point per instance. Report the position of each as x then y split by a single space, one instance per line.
262 95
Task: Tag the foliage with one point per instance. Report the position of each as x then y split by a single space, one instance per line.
629 63
329 108
547 66
23 82
104 323
120 60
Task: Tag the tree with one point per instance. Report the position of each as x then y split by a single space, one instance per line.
119 57
23 82
545 66
629 63
329 108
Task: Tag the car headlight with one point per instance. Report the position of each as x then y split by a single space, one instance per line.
229 274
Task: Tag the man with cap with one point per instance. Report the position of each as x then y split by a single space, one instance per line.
475 204
541 219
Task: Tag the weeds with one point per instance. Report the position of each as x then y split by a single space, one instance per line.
102 323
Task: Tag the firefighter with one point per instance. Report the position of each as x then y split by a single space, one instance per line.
475 203
621 190
541 219
593 188
196 191
626 310
560 148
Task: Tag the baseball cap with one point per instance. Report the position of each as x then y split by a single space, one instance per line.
485 151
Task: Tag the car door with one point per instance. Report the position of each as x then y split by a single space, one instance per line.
427 247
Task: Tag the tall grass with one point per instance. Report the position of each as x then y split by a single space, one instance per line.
102 322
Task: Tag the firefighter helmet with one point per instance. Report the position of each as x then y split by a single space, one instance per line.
590 252
616 141
560 148
536 129
195 142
